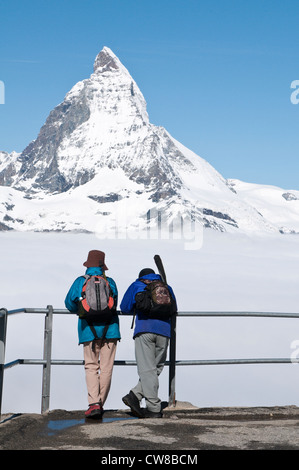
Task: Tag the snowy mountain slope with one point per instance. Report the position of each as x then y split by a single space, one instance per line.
275 204
98 164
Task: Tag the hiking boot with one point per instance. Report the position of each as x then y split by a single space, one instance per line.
132 402
151 414
95 411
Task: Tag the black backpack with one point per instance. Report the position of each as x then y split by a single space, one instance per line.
155 301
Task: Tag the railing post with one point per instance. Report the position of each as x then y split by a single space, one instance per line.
3 323
172 361
47 357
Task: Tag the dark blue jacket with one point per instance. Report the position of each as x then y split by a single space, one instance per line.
143 324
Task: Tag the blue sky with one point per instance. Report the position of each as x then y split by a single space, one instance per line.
216 74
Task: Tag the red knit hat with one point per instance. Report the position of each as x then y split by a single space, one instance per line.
95 258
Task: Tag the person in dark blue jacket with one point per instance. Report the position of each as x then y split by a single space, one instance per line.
151 337
98 385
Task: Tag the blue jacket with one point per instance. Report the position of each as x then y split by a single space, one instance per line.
71 302
143 324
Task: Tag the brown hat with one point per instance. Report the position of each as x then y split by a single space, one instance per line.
95 258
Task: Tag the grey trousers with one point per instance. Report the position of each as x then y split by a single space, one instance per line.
150 352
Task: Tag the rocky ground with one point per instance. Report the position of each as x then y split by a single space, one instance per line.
182 429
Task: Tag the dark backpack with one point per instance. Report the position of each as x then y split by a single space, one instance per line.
155 300
96 303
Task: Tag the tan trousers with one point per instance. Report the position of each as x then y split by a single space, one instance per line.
98 373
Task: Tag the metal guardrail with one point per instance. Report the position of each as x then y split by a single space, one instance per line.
47 360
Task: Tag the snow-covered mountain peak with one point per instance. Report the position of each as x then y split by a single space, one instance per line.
98 154
107 61
98 123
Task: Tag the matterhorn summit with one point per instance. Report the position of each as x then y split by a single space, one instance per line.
98 162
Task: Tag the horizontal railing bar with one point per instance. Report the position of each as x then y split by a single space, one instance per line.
12 363
38 310
45 310
61 362
167 363
10 312
236 361
179 314
238 314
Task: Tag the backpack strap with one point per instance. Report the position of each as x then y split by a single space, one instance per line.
86 276
91 326
134 315
105 331
146 282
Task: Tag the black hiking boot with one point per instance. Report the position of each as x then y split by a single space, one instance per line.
151 414
132 402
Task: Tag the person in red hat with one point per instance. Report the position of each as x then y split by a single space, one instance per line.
99 351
